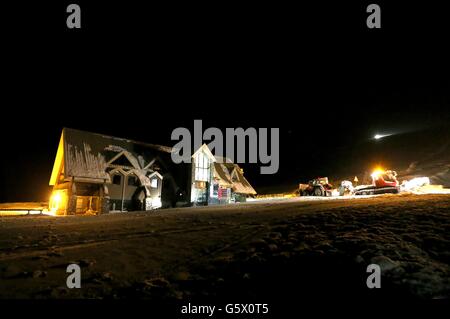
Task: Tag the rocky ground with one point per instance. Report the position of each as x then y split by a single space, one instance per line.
265 251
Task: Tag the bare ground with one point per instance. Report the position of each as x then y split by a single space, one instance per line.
253 251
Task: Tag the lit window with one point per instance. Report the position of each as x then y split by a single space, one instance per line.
154 183
201 167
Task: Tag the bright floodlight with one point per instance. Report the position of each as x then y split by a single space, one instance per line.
378 136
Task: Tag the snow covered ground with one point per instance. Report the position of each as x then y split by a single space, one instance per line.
252 251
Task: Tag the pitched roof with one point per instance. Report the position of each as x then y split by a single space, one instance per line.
230 175
222 159
86 155
227 173
205 149
222 175
241 185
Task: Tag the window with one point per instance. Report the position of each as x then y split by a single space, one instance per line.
117 180
154 183
201 167
132 181
215 190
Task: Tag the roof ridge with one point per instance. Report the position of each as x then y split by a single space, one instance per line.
164 148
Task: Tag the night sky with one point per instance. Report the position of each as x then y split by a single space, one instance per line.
314 71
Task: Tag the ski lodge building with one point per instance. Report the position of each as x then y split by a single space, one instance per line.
96 173
217 180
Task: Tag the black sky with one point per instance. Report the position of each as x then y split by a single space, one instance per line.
314 71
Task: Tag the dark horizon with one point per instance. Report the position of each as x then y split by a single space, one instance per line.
325 80
300 160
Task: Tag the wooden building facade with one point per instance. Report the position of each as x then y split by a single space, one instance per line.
95 173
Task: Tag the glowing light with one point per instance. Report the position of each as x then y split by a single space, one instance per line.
377 173
57 198
49 212
57 202
156 202
380 136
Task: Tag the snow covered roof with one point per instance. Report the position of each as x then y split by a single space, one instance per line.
230 175
227 173
87 155
221 159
